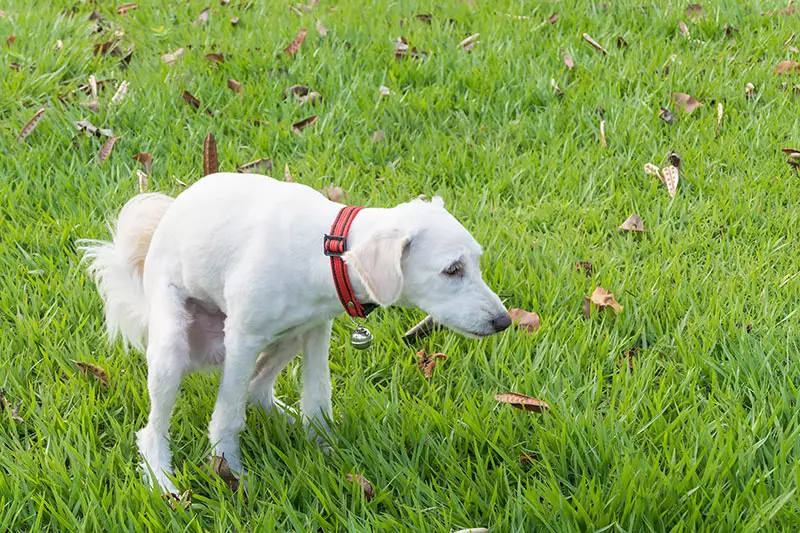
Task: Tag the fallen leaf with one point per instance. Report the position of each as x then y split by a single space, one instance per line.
651 170
105 150
123 9
670 174
632 223
749 327
296 90
668 64
171 58
93 86
234 21
105 48
221 468
366 486
629 356
553 18
791 152
786 67
5 405
424 17
469 43
321 29
210 162
568 60
685 102
594 44
378 136
786 11
202 18
294 46
194 102
145 159
730 31
584 266
667 116
299 126
586 306
295 11
28 128
16 67
235 86
143 181
520 401
603 143
602 299
95 15
89 369
527 458
312 98
694 11
402 49
335 194
184 500
684 29
621 43
10 40
263 166
384 90
93 106
59 45
427 362
525 319
120 94
674 160
215 58
88 127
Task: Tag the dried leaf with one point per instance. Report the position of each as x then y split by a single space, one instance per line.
210 162
526 459
684 29
427 362
786 11
202 18
568 60
553 18
235 86
221 468
670 174
520 401
693 11
88 127
105 150
469 43
602 299
145 159
621 43
586 306
787 67
594 44
402 49
335 194
121 92
603 143
366 486
59 45
215 58
5 405
234 21
633 223
685 102
730 31
584 266
89 369
525 319
184 500
792 153
194 102
259 166
93 86
629 356
421 330
28 128
294 46
93 106
651 170
10 40
668 64
378 136
321 29
170 59
287 174
16 67
123 9
667 116
299 126
384 90
312 98
424 17
296 90
105 48
674 160
143 180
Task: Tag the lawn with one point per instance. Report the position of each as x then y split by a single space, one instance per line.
679 413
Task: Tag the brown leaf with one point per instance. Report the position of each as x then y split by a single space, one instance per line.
668 64
294 46
321 29
378 136
95 371
91 129
684 29
525 319
235 86
403 49
221 468
28 128
234 21
121 92
469 43
632 223
527 458
299 126
629 356
670 174
602 299
791 152
108 47
621 43
594 44
262 166
674 160
553 18
10 40
184 500
685 102
287 174
335 194
787 67
202 18
667 116
194 102
210 162
520 401
105 150
730 31
584 266
171 58
694 11
93 106
748 91
424 17
145 159
586 306
296 90
123 9
568 60
5 405
427 362
366 486
16 67
215 58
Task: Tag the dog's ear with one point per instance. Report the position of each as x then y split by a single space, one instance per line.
377 261
437 200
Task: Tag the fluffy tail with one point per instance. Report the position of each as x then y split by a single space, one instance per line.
118 266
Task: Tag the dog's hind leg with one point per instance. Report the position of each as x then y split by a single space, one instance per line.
167 362
269 365
315 404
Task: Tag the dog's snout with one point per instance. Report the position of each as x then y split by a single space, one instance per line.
501 322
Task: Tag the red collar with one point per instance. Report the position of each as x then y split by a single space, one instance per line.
334 246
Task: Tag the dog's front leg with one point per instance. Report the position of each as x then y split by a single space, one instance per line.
315 403
227 421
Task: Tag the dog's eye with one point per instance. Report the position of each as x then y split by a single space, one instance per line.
456 270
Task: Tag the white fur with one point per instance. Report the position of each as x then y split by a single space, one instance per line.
232 272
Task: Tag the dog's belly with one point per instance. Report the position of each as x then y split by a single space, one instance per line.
206 333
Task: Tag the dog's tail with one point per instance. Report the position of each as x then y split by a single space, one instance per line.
118 266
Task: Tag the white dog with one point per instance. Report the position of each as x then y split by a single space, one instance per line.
232 272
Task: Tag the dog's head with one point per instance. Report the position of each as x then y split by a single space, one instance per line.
423 257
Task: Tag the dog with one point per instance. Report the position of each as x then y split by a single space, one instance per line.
236 271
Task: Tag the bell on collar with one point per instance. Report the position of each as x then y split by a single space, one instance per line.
361 338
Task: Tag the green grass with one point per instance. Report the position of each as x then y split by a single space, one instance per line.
702 435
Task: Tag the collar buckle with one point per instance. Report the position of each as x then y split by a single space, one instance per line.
334 245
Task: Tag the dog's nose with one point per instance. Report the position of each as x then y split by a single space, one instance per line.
501 322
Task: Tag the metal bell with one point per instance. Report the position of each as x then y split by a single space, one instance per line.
361 338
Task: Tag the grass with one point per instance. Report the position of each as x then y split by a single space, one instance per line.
703 434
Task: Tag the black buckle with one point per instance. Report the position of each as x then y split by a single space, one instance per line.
329 238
